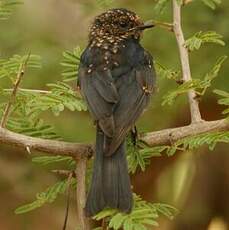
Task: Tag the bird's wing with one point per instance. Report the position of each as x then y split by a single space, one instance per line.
135 88
101 95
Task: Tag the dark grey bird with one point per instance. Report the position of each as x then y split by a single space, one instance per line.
116 78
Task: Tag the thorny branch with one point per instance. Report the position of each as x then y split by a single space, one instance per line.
78 150
193 102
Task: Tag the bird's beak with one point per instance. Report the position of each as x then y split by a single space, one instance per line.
146 25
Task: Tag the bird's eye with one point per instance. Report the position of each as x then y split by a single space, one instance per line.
123 24
98 22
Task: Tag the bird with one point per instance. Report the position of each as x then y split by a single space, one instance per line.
116 77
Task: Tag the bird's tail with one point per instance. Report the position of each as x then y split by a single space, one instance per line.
110 185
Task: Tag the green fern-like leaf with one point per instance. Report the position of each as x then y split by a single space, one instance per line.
139 155
184 88
71 64
167 210
49 196
60 96
224 100
211 3
210 139
160 6
212 74
200 86
191 143
7 7
46 160
9 67
164 72
35 128
104 3
25 121
143 214
195 42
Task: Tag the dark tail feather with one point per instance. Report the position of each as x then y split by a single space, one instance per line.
95 201
110 186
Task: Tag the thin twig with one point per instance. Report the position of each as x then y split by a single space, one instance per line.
164 25
64 172
20 74
81 193
29 90
193 103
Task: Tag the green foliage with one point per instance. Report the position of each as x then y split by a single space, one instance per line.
49 196
66 162
60 96
190 143
180 2
164 72
184 88
9 67
160 6
195 42
33 128
210 139
139 155
134 158
143 214
213 73
211 3
71 64
200 86
104 3
7 7
25 121
224 100
195 142
46 160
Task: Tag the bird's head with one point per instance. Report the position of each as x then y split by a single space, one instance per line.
116 25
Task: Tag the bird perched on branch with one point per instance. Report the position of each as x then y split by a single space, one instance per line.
116 78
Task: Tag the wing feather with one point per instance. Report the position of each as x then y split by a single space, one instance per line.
101 97
133 101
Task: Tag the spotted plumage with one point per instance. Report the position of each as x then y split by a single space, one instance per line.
116 78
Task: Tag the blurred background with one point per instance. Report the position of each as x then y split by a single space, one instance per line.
197 183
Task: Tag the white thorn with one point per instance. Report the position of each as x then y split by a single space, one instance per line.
28 150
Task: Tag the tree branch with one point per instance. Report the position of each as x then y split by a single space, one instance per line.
52 147
81 193
78 150
168 136
184 58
